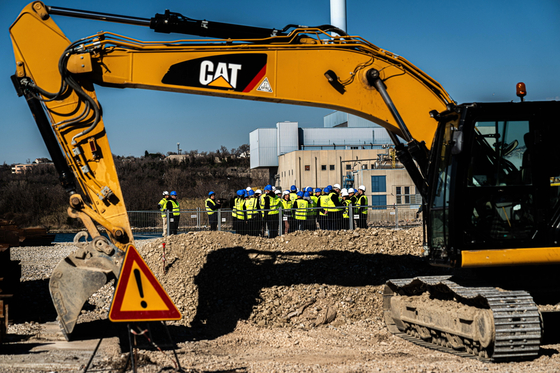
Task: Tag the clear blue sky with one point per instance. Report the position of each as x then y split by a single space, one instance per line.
478 50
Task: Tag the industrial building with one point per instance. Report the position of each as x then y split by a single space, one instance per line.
348 150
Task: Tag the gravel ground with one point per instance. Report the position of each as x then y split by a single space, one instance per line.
304 302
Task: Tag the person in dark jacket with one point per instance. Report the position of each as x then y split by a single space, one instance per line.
212 209
174 214
336 208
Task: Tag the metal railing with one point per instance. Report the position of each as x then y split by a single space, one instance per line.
269 223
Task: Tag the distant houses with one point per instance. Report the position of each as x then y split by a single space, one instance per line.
21 168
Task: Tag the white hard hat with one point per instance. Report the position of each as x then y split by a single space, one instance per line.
166 193
336 186
258 191
286 192
277 191
351 190
362 187
344 190
248 189
344 193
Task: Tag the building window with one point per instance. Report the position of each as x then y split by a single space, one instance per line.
348 167
378 184
379 202
307 167
403 195
372 166
331 167
324 167
364 167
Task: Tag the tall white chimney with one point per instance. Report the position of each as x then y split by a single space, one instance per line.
338 14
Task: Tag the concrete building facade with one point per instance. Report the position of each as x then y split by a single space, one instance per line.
349 151
386 181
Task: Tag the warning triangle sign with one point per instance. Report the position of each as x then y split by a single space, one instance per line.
139 296
265 86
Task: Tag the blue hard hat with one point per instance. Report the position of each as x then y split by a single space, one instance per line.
173 193
306 194
293 188
240 192
318 190
299 194
309 189
268 187
209 194
251 193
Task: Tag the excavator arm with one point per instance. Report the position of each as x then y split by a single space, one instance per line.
304 66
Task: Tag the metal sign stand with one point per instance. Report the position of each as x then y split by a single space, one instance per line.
132 351
132 356
92 355
163 269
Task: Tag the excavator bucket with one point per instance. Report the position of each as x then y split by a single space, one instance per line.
76 278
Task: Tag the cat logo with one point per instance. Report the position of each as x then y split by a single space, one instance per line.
237 72
223 75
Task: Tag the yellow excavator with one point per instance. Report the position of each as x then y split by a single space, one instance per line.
487 172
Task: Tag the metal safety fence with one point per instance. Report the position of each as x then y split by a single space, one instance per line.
270 223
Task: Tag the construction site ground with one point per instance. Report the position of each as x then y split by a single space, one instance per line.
304 302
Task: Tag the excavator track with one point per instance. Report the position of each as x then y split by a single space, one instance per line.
485 323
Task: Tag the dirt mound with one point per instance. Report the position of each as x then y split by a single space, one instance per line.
303 279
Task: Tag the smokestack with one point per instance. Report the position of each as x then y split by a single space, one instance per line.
338 14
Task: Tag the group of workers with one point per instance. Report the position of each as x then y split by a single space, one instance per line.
169 205
255 212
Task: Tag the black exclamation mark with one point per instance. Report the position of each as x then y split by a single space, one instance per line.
139 283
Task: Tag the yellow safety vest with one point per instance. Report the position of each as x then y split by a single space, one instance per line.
324 203
287 206
251 207
239 207
262 204
162 205
274 205
330 203
234 209
208 209
175 207
301 212
362 203
314 200
345 214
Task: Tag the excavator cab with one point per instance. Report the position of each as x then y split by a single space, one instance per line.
496 174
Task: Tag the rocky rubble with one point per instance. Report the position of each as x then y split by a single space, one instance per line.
303 280
306 301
